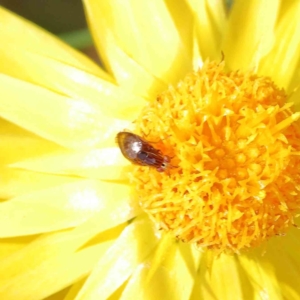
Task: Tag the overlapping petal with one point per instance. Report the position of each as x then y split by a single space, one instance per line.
20 33
130 249
179 264
262 276
73 123
18 144
250 33
16 182
222 277
64 79
151 40
210 23
64 206
281 62
10 245
102 163
42 265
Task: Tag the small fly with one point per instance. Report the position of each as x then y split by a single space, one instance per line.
140 152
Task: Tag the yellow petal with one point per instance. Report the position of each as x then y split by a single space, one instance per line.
27 36
104 163
282 62
295 98
69 81
18 144
130 249
250 33
63 207
224 279
53 261
175 272
210 23
39 276
48 210
285 264
292 244
18 182
184 22
10 245
46 248
295 82
262 276
145 31
130 75
163 249
73 123
73 291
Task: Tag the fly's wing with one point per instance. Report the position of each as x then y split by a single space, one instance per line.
146 158
152 159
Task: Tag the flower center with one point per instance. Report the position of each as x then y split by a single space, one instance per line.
234 144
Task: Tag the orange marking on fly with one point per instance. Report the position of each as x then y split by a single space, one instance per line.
141 152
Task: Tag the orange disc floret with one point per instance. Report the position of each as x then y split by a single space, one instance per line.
235 148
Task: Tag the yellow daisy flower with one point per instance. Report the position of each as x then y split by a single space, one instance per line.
209 211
